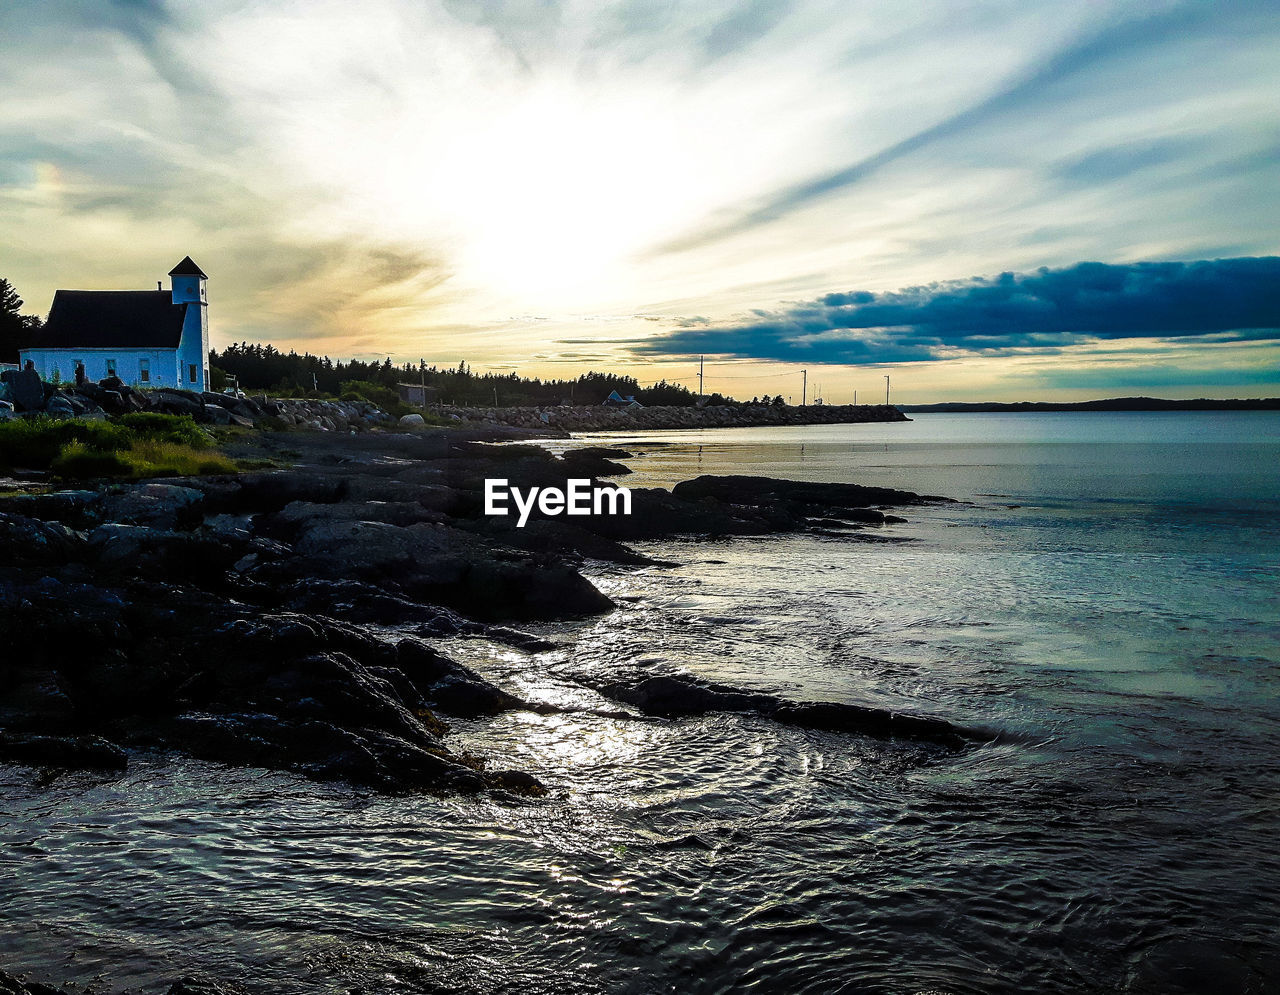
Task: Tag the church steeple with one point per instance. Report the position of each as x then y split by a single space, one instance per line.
188 282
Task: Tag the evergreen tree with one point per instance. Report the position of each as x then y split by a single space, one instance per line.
16 329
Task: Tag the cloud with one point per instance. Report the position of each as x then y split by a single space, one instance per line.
407 176
1039 312
1122 376
1025 91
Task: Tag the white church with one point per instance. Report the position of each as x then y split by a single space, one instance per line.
147 338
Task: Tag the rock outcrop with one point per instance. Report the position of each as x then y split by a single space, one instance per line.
276 618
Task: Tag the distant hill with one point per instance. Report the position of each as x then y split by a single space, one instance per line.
1110 404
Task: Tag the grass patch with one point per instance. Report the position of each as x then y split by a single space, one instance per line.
154 458
181 429
78 462
144 458
144 444
34 443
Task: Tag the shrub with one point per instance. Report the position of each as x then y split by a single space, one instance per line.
181 429
375 393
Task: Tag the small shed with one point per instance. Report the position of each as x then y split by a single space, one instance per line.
417 394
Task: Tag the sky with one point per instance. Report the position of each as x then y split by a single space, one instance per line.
983 200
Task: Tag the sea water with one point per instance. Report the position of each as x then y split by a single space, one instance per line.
1102 601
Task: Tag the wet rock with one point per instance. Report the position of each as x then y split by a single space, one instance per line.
194 986
657 513
590 463
35 700
443 684
878 723
77 752
9 985
517 782
557 536
597 452
733 489
671 697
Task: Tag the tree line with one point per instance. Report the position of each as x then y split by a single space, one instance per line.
266 368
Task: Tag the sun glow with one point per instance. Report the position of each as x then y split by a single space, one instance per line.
551 198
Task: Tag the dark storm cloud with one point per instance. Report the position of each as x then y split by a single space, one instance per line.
1043 311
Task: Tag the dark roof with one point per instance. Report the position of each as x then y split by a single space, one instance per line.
102 319
188 268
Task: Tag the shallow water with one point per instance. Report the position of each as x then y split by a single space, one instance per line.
1106 604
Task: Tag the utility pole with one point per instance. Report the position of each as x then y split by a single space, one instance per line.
804 389
855 397
700 358
886 390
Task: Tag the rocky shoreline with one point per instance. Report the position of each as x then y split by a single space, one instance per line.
285 619
244 618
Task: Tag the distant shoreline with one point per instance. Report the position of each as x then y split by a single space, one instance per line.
1109 404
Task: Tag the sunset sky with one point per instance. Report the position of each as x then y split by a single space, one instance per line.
984 200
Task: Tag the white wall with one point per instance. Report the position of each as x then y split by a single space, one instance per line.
193 349
163 365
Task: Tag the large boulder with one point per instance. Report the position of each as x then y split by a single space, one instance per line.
26 389
217 414
111 401
178 402
59 406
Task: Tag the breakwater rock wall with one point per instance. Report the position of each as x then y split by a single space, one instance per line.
598 418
